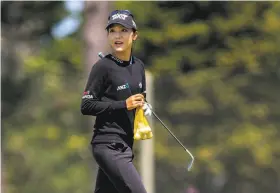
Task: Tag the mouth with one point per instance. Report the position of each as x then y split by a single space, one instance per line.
118 43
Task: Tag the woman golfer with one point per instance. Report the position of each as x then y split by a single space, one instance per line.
114 89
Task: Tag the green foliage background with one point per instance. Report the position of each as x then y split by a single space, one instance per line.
218 63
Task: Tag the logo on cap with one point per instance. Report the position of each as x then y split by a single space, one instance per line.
119 16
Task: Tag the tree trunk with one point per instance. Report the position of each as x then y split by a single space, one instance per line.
95 36
95 41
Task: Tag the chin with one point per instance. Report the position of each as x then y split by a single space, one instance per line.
119 49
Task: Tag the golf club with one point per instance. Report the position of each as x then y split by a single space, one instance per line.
100 54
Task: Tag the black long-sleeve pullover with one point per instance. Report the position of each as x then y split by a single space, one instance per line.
110 83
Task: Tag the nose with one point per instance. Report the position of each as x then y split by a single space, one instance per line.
118 35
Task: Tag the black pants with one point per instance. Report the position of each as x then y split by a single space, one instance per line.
116 173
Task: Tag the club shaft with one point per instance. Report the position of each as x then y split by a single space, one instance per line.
191 163
169 131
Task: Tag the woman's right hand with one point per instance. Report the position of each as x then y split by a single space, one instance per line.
134 101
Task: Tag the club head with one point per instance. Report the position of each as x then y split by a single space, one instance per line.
192 161
190 165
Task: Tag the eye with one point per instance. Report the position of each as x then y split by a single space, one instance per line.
124 30
111 30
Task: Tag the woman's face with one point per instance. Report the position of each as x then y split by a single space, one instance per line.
121 38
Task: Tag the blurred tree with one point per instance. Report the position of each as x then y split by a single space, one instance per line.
95 41
45 139
95 38
219 62
22 26
25 27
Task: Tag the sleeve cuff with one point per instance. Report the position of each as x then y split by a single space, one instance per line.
119 105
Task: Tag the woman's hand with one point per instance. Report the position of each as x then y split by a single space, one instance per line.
134 101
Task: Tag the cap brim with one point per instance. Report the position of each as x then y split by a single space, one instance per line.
121 23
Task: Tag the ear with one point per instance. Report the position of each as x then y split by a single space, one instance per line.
135 36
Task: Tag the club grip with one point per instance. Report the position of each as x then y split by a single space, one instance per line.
100 54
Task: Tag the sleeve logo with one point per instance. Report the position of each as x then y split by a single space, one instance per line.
87 95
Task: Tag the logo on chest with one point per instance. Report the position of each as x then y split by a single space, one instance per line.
122 87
